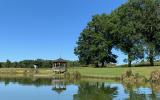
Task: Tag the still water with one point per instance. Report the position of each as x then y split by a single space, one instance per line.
58 89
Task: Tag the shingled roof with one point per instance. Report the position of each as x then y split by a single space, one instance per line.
60 60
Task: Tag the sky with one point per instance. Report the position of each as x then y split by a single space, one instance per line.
47 29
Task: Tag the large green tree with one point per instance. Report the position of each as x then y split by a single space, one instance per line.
138 27
134 28
149 20
94 45
129 40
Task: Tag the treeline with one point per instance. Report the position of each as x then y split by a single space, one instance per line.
133 28
39 62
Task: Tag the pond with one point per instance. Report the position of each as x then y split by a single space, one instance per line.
60 89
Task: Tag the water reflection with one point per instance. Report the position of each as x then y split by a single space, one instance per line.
141 93
61 89
26 81
95 91
59 85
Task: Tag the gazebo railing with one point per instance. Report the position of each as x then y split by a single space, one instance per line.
59 69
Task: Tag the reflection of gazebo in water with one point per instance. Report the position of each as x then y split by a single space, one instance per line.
58 85
59 65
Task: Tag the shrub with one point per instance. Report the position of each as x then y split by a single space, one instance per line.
129 73
155 76
72 76
76 75
129 76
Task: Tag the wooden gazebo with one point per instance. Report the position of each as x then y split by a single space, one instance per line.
59 65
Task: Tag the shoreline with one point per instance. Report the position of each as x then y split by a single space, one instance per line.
86 72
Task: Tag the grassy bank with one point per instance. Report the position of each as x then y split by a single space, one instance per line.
113 72
84 71
28 72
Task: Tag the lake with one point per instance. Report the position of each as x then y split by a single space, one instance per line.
60 89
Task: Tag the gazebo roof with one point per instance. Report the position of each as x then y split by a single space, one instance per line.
60 60
59 90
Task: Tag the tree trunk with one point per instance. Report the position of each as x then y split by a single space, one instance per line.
97 65
151 57
129 61
102 64
151 61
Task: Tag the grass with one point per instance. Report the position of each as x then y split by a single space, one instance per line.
26 72
85 71
113 72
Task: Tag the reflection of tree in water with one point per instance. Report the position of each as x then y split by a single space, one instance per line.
136 94
27 81
59 85
155 89
95 91
133 95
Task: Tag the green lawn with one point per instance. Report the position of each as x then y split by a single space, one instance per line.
113 72
86 71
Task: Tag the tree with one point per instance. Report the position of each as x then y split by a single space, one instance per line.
130 41
92 45
83 49
138 27
15 64
8 64
150 27
1 65
149 18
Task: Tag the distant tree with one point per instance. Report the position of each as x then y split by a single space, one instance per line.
47 64
1 65
39 63
8 64
74 63
15 64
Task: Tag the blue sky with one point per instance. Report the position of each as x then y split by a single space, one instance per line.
46 29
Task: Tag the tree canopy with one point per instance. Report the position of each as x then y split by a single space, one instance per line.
94 45
133 28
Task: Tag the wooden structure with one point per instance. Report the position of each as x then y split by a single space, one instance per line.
59 65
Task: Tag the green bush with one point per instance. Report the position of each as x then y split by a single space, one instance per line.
76 75
129 73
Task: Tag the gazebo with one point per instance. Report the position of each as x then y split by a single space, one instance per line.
59 65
